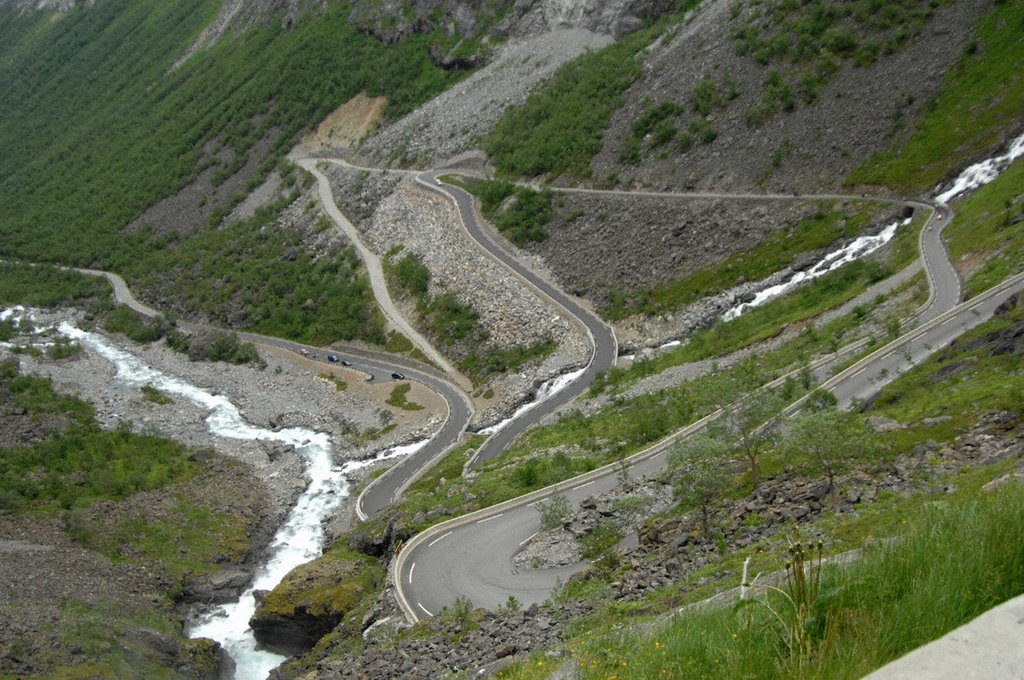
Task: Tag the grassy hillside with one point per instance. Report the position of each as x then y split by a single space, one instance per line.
95 127
981 97
779 94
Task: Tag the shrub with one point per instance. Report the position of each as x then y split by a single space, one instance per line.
554 512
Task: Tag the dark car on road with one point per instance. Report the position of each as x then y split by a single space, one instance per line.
332 358
397 376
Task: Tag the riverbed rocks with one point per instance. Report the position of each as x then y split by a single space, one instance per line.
53 562
314 598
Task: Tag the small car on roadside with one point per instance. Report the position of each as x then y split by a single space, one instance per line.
398 376
332 358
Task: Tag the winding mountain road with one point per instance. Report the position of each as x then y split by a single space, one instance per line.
376 274
472 555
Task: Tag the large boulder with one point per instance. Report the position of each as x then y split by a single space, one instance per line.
313 599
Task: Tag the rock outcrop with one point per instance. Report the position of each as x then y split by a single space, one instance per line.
314 598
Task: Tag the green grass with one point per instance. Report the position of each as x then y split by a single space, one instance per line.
484 363
106 633
766 321
152 394
522 219
398 400
761 323
339 585
561 125
989 226
84 462
954 561
339 384
46 286
427 492
771 255
123 319
190 540
962 381
981 97
398 344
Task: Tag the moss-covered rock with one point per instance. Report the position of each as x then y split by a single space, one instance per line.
314 598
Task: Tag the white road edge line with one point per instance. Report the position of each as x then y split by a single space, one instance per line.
420 604
410 571
488 519
438 539
584 484
529 538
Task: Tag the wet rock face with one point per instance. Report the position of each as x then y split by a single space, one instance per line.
314 599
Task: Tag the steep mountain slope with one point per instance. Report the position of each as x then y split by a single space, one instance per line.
756 97
108 153
741 95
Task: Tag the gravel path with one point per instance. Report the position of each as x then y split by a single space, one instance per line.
376 274
427 223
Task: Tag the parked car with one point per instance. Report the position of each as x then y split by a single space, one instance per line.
332 358
398 376
346 363
369 377
304 352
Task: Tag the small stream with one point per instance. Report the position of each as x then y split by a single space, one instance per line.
982 172
548 388
300 538
855 249
971 178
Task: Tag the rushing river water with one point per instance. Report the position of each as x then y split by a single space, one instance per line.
300 538
548 388
971 178
855 249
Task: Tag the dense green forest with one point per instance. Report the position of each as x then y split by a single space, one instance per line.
96 125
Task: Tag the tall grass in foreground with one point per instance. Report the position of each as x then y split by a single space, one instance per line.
956 560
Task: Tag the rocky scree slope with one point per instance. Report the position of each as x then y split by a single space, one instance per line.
452 122
609 246
424 223
784 96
